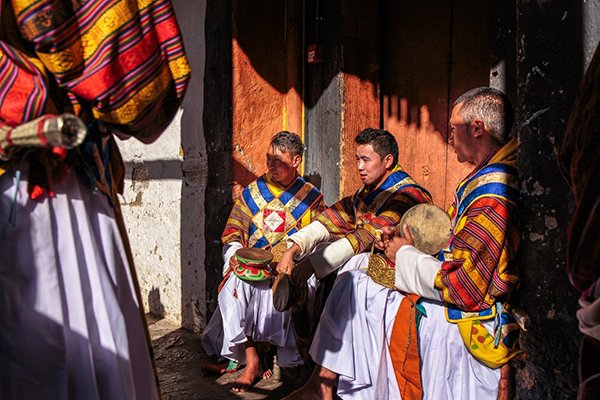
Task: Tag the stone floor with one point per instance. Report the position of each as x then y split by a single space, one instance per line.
179 357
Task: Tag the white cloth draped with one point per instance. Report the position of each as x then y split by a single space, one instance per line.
229 251
246 310
353 336
70 325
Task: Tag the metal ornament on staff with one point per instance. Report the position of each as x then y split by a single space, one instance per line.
64 130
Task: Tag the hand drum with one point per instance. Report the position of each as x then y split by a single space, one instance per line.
253 264
429 226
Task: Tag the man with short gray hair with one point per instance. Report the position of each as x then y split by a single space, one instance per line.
452 335
492 107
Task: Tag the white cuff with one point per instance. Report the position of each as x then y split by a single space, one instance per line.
332 257
308 237
229 250
416 272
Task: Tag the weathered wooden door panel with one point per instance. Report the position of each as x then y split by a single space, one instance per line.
431 52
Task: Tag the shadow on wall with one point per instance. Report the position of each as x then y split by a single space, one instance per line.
155 306
431 52
419 57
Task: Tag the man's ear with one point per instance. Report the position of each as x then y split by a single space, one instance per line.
388 161
296 160
477 128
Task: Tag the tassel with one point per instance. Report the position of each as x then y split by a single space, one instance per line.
12 217
497 324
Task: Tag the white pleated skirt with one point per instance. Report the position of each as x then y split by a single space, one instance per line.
70 325
353 336
246 310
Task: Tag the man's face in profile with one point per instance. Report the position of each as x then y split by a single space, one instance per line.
282 165
460 136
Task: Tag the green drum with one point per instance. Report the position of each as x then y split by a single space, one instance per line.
253 264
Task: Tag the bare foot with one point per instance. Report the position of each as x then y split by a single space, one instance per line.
308 392
249 376
318 387
267 374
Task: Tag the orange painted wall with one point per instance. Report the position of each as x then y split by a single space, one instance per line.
267 81
430 56
360 110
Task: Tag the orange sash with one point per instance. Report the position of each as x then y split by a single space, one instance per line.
404 349
225 277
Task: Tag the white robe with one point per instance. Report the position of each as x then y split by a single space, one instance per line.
246 310
70 325
349 341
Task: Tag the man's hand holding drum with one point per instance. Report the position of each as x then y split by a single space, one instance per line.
397 241
286 263
233 263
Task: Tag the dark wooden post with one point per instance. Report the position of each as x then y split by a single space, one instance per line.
549 67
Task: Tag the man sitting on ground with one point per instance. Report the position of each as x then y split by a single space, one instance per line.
351 223
270 209
367 333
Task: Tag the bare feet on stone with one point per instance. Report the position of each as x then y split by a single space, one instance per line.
253 370
248 378
267 374
308 392
318 387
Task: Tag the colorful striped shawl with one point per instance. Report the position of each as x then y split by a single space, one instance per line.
266 214
122 61
358 217
477 267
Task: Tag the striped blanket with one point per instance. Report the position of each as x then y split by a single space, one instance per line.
266 214
477 266
359 216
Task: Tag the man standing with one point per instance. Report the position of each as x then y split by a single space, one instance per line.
369 339
70 319
268 211
579 155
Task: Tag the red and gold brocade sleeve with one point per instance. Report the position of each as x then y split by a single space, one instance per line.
341 221
317 209
338 219
124 60
481 268
362 238
238 224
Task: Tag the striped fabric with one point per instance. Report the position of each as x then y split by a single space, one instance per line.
477 267
358 217
122 61
23 88
266 213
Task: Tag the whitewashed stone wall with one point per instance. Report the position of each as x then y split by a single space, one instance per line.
163 197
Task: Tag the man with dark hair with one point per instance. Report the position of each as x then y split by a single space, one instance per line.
351 223
382 141
369 340
289 142
346 229
269 210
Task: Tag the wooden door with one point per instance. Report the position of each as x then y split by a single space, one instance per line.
431 53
